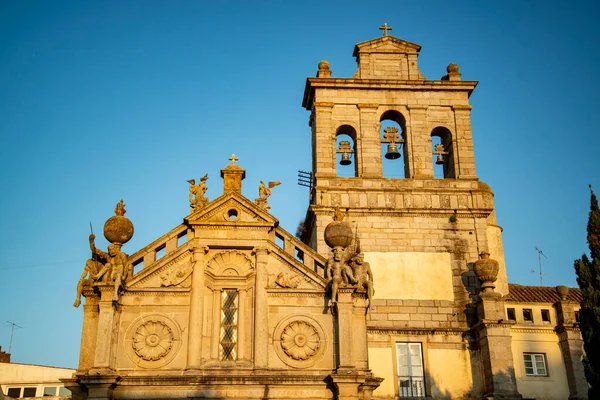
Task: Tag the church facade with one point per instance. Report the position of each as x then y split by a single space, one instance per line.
395 287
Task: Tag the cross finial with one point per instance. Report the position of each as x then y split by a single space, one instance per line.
385 28
233 159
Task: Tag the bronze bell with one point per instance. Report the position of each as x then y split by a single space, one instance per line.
345 159
392 152
440 159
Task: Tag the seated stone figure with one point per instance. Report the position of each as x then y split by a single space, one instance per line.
115 266
92 267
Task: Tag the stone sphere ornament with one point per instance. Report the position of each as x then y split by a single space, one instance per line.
338 233
118 229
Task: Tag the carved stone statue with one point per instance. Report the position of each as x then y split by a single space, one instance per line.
116 270
92 267
264 192
338 270
363 275
197 199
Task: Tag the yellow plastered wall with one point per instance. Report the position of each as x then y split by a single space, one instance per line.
553 386
411 275
449 372
381 362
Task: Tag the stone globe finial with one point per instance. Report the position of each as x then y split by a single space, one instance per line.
486 269
453 74
338 233
324 71
118 229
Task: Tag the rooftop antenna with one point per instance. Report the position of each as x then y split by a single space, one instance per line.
12 330
540 254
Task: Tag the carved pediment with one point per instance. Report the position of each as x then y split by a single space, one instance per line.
173 270
388 44
232 209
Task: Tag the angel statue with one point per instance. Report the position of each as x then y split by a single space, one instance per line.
264 192
197 199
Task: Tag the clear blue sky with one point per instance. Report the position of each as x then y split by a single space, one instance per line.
107 100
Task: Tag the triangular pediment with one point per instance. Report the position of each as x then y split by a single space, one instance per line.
232 209
386 44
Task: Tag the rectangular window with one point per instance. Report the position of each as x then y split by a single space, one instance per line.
14 392
229 321
63 391
535 364
527 315
546 315
29 392
510 314
411 380
49 391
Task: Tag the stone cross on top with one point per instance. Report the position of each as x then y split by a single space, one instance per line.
385 28
233 159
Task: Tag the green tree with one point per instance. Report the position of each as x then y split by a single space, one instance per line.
588 279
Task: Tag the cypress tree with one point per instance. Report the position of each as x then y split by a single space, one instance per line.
588 279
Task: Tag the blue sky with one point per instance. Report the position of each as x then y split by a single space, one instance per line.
107 100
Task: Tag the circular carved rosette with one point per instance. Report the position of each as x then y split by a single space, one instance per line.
300 341
153 340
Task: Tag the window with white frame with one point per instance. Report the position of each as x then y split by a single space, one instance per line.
411 380
535 364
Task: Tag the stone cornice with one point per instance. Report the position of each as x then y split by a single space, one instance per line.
416 331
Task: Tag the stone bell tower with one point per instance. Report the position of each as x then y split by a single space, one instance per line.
388 113
394 151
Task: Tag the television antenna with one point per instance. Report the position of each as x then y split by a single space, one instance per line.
12 331
540 254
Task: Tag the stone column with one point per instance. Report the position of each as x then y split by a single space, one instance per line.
571 345
89 330
106 322
194 359
368 143
344 310
261 321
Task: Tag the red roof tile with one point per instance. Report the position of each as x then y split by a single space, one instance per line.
539 294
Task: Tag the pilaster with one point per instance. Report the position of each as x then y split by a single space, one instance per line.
571 346
495 344
105 332
369 143
261 321
324 141
463 143
89 330
194 359
419 144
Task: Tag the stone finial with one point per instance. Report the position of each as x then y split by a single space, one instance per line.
324 71
118 229
338 233
232 176
562 290
453 74
486 269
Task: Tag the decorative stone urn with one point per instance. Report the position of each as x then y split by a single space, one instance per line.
486 269
118 229
562 291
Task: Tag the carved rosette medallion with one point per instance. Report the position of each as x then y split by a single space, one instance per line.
152 340
300 340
